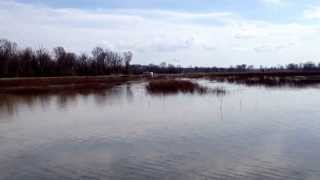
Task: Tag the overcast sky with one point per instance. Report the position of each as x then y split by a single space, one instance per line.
186 32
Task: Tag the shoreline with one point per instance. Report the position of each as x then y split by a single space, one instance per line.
62 84
36 85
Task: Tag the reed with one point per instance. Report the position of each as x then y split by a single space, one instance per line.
166 86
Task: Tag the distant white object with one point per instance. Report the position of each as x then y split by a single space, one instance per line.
151 74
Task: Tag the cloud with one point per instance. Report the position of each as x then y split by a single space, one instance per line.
275 3
312 13
206 38
272 1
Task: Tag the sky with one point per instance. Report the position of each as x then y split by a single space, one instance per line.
187 33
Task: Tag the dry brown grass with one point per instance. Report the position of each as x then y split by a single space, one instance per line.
166 86
61 84
158 84
272 81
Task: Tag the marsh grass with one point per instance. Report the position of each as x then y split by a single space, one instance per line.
62 84
272 81
219 91
171 86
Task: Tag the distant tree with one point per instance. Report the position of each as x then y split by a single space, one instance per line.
99 56
292 66
309 66
127 59
241 67
43 62
163 65
26 58
82 65
60 58
59 53
7 51
250 67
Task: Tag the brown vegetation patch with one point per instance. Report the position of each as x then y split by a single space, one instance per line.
62 84
167 86
272 81
219 91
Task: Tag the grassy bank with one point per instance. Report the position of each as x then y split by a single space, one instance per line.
62 84
269 79
79 83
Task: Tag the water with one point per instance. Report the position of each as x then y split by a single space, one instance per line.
126 133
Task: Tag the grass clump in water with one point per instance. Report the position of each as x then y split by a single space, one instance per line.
219 91
169 86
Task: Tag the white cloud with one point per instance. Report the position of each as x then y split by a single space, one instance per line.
275 3
214 38
272 1
312 13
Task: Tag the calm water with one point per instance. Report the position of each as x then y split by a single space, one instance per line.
126 133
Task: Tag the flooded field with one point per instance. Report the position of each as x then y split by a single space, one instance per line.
126 132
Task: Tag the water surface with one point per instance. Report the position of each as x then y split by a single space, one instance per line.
126 133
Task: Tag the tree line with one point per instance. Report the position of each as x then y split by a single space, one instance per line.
171 69
15 62
26 62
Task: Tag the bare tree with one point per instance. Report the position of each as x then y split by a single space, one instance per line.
127 59
7 51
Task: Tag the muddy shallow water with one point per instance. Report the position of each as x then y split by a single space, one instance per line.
127 133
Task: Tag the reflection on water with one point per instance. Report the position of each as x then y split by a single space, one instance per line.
126 133
12 104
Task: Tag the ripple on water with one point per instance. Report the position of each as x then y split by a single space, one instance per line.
126 133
